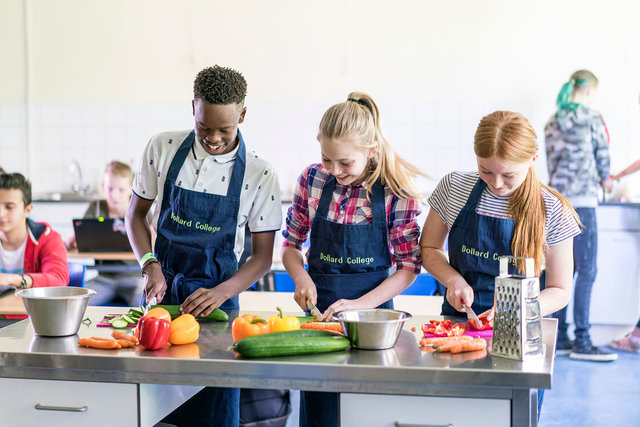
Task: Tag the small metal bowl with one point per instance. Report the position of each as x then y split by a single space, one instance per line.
55 311
372 329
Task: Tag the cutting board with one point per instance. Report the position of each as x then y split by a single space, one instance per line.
487 333
105 324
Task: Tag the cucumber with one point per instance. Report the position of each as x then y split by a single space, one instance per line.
119 323
136 312
128 319
216 314
290 343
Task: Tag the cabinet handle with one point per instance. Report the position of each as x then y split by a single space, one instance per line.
61 408
397 424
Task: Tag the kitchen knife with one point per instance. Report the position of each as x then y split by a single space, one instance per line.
317 316
471 315
153 301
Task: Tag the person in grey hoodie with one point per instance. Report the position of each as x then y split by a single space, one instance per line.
577 144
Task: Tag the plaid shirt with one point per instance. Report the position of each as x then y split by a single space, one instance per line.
349 205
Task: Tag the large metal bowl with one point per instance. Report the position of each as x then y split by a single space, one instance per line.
372 329
55 311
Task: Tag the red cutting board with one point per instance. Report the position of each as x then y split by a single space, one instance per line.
104 324
487 333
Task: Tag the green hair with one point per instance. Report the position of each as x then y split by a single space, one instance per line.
579 79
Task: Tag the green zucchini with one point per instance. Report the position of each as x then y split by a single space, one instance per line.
290 343
216 314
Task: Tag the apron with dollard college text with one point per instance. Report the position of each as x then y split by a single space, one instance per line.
475 243
197 231
347 261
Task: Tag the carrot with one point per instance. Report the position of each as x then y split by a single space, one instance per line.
446 345
325 326
476 344
438 341
119 335
97 342
126 343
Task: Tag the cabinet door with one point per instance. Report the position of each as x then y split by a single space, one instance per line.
384 410
68 403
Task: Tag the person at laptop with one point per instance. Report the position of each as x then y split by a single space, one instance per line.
117 184
208 186
31 253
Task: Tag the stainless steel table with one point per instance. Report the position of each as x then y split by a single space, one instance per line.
403 370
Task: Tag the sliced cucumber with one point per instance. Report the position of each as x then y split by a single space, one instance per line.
136 312
119 323
109 316
128 319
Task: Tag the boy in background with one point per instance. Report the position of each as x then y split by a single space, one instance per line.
117 184
31 253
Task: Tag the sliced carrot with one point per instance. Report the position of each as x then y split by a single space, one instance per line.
325 326
102 343
119 335
476 344
438 341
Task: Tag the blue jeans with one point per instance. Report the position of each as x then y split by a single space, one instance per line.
585 252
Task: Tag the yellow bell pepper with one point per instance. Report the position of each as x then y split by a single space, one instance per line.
248 325
283 323
185 329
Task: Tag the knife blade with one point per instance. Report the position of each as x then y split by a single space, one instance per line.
153 301
317 316
471 315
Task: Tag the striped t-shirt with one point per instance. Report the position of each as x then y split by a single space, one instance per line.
454 190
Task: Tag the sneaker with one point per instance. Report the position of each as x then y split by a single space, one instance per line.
592 354
563 347
629 344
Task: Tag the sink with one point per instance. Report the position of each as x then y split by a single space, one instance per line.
63 197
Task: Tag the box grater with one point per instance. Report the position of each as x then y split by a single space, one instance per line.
517 328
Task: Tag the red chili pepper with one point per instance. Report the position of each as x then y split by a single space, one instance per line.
154 332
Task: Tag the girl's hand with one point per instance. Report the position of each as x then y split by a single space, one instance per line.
155 284
341 305
489 313
305 291
460 294
203 301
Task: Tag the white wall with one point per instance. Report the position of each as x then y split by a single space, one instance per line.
92 80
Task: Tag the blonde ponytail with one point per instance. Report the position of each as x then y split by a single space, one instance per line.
359 117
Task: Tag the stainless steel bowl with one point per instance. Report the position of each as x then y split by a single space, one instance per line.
56 311
372 329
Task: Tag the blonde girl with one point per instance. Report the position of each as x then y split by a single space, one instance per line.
359 208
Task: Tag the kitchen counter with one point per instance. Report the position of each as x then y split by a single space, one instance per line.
403 370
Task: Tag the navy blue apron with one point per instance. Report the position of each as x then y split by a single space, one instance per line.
345 261
475 243
195 246
197 232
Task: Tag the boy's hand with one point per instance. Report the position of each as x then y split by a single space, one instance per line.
305 291
203 301
155 284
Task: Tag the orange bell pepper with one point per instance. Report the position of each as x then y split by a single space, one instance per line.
248 325
160 313
185 329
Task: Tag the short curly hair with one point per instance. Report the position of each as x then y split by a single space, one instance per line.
220 85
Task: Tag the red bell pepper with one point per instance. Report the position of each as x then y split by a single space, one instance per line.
485 323
154 332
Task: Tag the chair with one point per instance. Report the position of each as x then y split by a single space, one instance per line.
425 284
76 274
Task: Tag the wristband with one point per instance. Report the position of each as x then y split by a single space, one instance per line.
146 257
144 268
23 285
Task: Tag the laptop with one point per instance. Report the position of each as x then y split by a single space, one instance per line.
101 235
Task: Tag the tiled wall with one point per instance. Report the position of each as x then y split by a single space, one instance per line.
434 135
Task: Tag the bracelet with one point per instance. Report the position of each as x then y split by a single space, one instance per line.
144 267
23 285
146 257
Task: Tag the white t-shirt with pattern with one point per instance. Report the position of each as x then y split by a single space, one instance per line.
202 172
453 192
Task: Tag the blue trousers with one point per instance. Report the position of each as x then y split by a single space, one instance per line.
585 252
